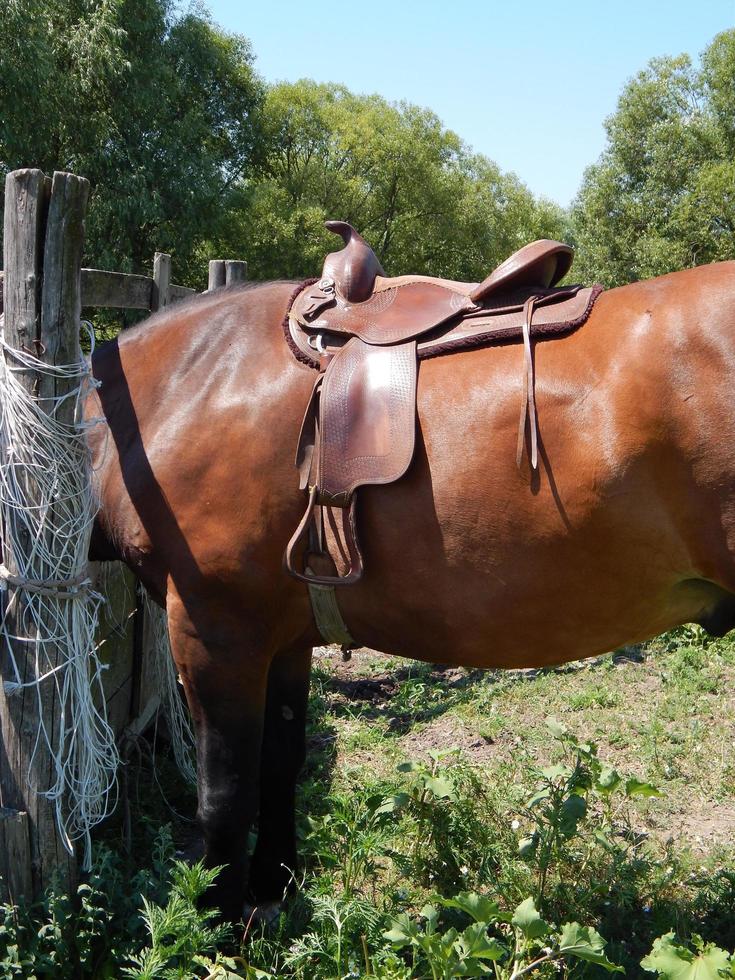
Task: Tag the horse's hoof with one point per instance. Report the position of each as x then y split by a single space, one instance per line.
264 914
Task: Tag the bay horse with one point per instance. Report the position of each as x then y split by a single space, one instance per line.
626 528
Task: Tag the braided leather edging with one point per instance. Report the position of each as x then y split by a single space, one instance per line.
297 353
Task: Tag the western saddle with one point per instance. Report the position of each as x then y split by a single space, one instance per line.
365 334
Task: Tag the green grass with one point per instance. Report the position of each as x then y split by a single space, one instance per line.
423 784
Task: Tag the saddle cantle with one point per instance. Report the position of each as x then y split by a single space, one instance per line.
366 333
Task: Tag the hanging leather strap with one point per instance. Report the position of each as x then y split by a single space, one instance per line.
528 408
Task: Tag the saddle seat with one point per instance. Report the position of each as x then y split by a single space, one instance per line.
366 334
354 297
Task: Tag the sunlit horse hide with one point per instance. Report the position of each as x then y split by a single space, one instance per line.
625 528
366 334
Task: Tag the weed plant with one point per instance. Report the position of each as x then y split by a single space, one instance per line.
434 864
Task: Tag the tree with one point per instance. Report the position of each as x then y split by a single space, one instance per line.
188 152
160 111
410 186
662 196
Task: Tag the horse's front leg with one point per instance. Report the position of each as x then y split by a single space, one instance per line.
225 682
284 748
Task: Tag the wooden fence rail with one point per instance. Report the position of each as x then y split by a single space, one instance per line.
124 291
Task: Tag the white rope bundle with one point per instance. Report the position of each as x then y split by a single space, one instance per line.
174 710
48 460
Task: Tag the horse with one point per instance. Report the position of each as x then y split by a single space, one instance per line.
625 529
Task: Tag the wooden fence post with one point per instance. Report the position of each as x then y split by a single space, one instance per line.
235 271
217 274
26 194
161 281
43 240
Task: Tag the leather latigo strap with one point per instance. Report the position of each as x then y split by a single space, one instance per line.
528 411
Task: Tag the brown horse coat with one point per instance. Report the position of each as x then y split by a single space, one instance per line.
626 530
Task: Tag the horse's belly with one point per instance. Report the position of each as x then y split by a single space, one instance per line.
535 608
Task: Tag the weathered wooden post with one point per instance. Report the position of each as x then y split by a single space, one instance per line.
235 271
43 239
217 274
161 281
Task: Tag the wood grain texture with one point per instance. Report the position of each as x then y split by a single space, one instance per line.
161 281
116 289
217 274
115 645
235 271
16 881
61 309
44 235
26 197
176 293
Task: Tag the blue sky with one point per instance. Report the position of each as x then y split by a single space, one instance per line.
527 83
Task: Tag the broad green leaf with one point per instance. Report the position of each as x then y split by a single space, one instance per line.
392 803
634 787
475 943
585 943
409 766
480 908
431 914
559 771
557 729
538 798
571 812
609 780
673 961
527 919
440 787
470 968
403 931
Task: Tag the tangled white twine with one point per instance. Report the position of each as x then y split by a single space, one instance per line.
174 710
48 461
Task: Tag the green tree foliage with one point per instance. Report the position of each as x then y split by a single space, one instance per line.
159 110
188 153
662 196
413 189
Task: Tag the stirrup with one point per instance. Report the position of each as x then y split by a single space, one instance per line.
354 573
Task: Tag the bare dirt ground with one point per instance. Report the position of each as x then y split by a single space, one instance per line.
649 715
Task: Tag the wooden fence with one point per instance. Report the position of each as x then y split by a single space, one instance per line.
43 288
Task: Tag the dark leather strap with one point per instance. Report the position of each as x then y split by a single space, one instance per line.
528 409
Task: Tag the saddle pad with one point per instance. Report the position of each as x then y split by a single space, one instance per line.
503 324
367 418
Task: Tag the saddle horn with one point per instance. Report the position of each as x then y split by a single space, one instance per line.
355 266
